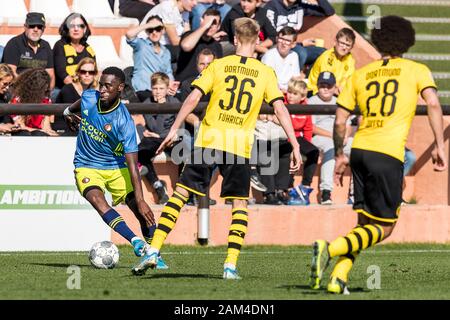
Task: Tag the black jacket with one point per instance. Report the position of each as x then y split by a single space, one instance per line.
160 123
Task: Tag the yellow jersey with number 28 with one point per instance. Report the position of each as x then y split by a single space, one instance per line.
386 92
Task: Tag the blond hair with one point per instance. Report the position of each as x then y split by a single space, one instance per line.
296 85
159 77
246 30
6 71
87 60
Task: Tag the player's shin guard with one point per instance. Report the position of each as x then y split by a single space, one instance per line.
168 219
356 240
116 222
343 266
236 235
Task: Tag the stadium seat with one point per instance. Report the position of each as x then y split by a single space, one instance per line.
105 52
126 52
99 14
4 38
14 13
55 11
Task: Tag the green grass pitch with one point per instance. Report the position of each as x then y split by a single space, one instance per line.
413 271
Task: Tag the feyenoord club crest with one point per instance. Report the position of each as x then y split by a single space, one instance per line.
108 127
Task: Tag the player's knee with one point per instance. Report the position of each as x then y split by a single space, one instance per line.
239 203
182 191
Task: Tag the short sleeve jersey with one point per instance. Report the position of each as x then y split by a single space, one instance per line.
238 87
105 136
386 92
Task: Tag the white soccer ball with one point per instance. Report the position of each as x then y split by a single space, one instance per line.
104 255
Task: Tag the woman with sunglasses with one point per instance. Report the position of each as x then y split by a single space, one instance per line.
72 48
85 78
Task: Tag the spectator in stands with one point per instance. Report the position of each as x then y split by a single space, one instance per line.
323 134
32 86
251 9
282 59
6 78
71 48
171 13
203 5
337 60
290 13
134 8
1 52
192 42
28 50
297 94
84 78
149 56
157 128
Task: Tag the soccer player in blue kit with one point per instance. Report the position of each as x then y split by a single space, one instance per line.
106 157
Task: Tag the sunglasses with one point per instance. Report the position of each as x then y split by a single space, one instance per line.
80 26
39 26
157 29
89 72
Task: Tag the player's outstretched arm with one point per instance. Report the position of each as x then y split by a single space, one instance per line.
70 116
143 207
340 127
285 121
186 109
436 122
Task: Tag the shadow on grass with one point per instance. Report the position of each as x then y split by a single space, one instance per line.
66 265
150 276
306 290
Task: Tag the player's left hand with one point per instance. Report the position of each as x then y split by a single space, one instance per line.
296 160
146 212
438 159
339 169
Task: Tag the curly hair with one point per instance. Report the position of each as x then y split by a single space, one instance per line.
32 86
394 37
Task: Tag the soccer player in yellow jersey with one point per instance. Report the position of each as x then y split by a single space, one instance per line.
337 60
386 91
238 85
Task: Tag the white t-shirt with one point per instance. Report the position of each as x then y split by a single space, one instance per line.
285 68
170 14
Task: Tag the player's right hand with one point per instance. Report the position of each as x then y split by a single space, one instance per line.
438 158
73 122
296 161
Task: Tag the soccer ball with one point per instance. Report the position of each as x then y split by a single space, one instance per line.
104 255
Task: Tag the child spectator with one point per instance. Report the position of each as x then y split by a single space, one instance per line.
71 48
282 13
156 129
6 78
251 9
282 59
323 134
149 56
337 60
303 128
32 86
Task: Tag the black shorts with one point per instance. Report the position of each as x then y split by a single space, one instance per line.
378 183
196 175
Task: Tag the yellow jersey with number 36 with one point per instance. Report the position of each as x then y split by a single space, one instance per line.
238 87
386 92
